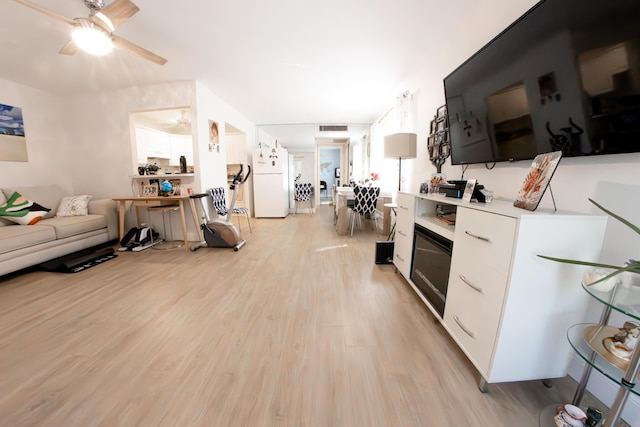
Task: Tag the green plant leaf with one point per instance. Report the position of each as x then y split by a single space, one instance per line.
587 263
619 218
633 267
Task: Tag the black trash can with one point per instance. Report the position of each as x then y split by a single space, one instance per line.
384 252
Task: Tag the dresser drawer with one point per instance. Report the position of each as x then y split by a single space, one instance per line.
474 308
402 248
484 237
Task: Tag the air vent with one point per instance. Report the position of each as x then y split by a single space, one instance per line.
333 128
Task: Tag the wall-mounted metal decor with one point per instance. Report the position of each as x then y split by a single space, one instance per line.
438 142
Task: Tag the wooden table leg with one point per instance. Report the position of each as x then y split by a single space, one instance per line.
184 225
386 223
192 205
121 209
138 223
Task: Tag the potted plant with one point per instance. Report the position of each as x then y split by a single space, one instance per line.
152 168
602 273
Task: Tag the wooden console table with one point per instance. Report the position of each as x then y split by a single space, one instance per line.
148 201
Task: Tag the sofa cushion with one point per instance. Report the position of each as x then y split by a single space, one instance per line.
73 206
21 210
46 195
22 236
66 226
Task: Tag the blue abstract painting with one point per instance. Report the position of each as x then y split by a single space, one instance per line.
13 145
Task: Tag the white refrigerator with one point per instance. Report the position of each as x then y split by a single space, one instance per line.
270 182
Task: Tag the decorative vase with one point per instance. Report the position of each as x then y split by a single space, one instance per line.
595 274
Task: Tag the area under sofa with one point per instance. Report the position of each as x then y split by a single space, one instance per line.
23 246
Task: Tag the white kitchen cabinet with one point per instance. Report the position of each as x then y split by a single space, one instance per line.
152 144
507 308
236 149
403 240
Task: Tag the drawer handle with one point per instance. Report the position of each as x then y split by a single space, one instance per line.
399 257
403 207
464 328
400 232
485 239
474 287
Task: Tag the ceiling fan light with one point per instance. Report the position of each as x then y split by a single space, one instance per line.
91 39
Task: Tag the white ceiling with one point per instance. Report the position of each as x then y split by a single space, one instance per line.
281 61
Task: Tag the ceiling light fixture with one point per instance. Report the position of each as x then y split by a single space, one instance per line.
91 38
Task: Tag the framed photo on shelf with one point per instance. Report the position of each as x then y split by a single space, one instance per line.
150 190
468 190
537 180
436 180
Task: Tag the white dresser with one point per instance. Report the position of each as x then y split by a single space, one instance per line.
507 308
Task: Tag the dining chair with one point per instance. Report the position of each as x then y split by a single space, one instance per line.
220 205
323 187
302 193
364 203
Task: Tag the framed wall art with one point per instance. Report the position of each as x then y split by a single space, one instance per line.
537 180
13 144
214 137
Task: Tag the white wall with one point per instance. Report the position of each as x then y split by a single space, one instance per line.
213 165
47 137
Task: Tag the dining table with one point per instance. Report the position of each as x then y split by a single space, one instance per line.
341 216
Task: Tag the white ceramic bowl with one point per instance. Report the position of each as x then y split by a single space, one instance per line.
573 415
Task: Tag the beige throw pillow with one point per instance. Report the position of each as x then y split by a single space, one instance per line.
74 206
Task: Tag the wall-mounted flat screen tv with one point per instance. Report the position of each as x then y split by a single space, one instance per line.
565 76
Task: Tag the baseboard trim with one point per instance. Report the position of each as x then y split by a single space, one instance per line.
606 390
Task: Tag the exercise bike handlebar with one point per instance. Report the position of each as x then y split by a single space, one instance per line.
238 178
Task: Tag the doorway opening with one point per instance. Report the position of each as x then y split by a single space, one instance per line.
331 173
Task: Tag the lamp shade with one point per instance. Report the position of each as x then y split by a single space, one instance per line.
400 146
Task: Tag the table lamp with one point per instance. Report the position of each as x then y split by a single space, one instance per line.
400 146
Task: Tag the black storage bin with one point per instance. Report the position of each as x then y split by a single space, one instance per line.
384 252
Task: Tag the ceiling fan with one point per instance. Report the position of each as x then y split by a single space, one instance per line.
94 34
182 123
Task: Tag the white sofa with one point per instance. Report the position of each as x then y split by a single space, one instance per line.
23 246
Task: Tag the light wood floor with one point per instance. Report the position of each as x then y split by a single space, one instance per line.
298 328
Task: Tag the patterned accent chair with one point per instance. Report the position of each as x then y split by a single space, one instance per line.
364 203
302 193
220 205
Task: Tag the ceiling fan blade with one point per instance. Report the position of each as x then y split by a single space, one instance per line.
123 44
47 12
69 49
101 20
119 11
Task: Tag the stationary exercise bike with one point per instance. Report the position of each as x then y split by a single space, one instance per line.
221 233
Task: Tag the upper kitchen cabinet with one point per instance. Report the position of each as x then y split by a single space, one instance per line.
236 145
